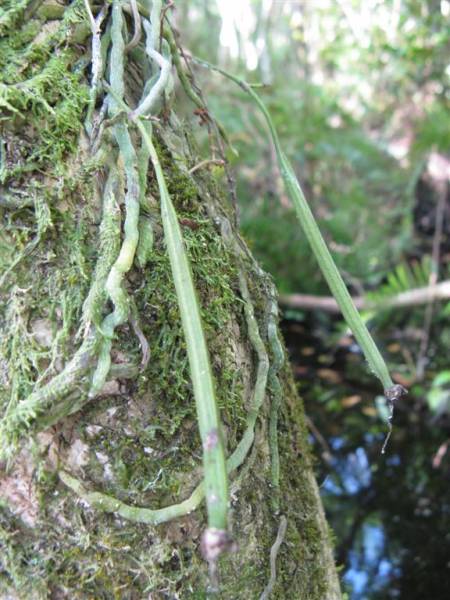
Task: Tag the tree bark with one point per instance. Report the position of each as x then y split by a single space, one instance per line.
64 203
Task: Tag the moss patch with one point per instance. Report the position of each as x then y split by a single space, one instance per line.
138 440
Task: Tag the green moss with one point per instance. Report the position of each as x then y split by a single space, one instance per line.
46 290
42 88
152 449
215 276
13 44
10 14
54 101
25 49
19 560
142 441
304 539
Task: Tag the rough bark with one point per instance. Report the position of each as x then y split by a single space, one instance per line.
137 439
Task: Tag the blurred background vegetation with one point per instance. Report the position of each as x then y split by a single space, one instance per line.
359 93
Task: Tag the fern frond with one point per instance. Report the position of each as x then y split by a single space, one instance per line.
403 278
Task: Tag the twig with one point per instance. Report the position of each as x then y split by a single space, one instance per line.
440 291
326 454
134 321
90 16
441 452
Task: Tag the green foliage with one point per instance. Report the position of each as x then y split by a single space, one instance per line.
438 396
402 278
433 129
357 192
42 78
376 85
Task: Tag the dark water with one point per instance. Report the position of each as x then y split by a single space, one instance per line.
390 513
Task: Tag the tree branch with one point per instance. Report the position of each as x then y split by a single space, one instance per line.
440 291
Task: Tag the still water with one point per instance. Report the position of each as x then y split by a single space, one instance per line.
390 513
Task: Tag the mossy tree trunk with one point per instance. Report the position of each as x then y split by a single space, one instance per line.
65 205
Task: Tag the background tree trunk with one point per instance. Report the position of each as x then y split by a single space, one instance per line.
137 439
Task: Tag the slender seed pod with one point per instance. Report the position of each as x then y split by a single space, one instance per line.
318 245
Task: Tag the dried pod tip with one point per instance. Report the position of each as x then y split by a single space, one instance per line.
395 392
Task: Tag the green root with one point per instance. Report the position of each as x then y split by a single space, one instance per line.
109 233
276 391
22 416
108 503
114 283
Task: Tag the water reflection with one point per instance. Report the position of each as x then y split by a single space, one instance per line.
390 513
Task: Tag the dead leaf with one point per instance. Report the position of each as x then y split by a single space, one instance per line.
349 401
329 375
307 351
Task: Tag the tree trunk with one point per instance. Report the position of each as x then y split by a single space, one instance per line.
78 456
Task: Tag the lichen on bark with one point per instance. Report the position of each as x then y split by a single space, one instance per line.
137 440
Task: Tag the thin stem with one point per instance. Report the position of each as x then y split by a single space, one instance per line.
215 475
206 163
275 387
317 243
